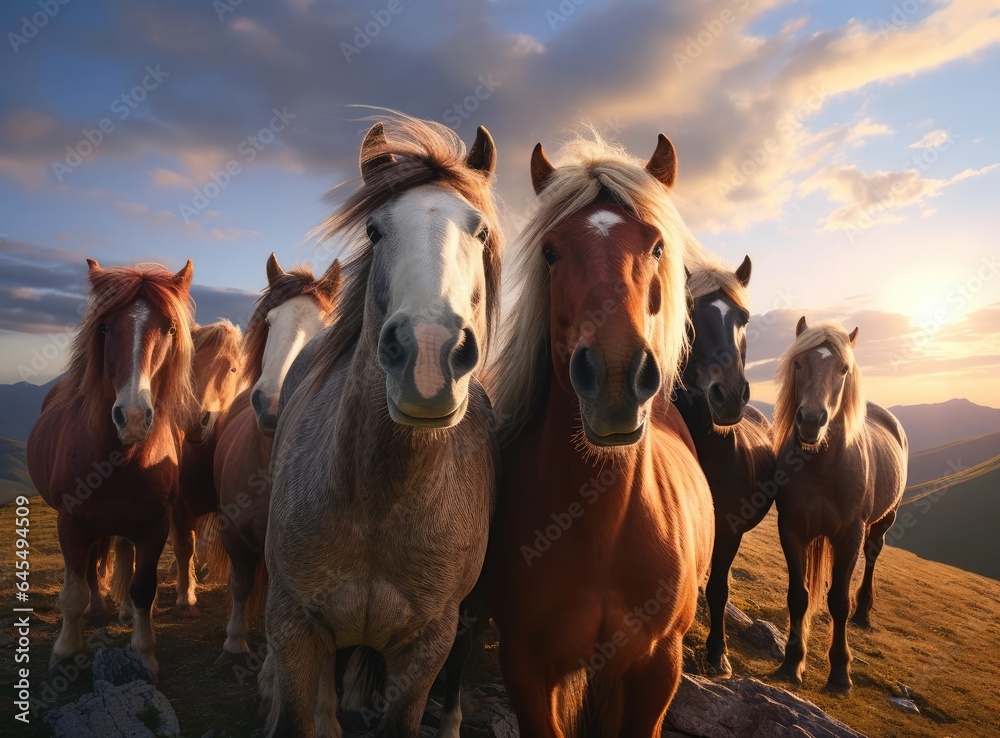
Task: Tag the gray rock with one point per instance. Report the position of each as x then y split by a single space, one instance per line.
737 621
904 705
110 712
748 708
767 638
119 666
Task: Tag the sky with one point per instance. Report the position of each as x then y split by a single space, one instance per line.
850 148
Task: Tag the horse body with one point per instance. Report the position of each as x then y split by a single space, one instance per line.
845 462
385 461
604 531
292 310
115 474
732 438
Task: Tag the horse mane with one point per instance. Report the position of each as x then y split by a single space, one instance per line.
586 168
425 153
710 276
112 289
221 337
296 282
853 407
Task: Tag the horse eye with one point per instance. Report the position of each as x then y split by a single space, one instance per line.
103 328
373 233
172 330
658 251
233 370
551 257
845 369
483 234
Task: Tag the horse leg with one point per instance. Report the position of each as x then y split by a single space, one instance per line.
143 594
874 541
96 613
794 663
650 687
411 670
727 543
530 689
121 578
182 537
845 556
299 660
472 622
241 579
75 593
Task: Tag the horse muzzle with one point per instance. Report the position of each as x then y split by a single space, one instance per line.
727 404
810 426
133 420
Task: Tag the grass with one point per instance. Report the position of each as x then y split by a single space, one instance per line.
936 630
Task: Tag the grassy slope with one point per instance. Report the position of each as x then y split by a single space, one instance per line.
945 460
936 630
14 479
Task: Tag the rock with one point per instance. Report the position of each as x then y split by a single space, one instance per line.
904 705
119 666
737 621
748 708
115 711
767 638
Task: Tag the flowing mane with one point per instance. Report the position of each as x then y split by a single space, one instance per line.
708 276
586 169
852 406
424 153
293 283
222 337
112 289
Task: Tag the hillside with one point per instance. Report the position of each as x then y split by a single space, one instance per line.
945 460
22 404
928 426
14 479
938 652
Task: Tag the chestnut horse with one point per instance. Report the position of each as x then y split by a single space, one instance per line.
105 452
845 462
294 308
385 460
732 438
218 358
604 523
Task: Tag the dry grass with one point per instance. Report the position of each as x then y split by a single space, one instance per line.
936 630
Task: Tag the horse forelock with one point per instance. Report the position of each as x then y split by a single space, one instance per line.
853 405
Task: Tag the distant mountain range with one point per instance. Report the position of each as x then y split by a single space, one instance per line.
20 406
14 479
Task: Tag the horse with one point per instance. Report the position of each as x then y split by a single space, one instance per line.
385 459
218 358
843 461
293 308
604 528
105 452
732 438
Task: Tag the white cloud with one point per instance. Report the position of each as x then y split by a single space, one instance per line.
933 140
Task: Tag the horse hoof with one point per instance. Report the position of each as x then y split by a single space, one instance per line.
231 658
721 669
787 675
862 621
187 611
838 687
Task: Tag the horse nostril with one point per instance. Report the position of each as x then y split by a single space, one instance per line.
646 380
584 373
716 395
746 392
205 419
257 401
800 416
149 417
465 356
823 418
118 416
392 350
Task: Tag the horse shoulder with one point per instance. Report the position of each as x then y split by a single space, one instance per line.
668 419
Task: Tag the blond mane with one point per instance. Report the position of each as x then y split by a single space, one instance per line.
853 407
586 167
709 275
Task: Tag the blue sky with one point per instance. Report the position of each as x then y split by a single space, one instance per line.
866 132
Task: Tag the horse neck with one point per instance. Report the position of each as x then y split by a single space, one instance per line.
693 407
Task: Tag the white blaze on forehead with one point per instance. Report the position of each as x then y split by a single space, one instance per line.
140 313
722 307
603 221
291 326
824 352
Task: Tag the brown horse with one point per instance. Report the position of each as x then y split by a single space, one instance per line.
217 362
844 465
294 308
732 438
605 518
105 452
385 460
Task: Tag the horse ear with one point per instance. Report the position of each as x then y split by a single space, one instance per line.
332 280
274 269
801 326
853 336
373 152
93 266
183 278
483 154
743 271
687 273
663 163
541 169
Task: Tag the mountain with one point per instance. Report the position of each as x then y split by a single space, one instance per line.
945 460
933 425
21 405
953 519
14 479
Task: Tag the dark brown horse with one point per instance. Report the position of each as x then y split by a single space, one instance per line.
105 452
844 465
605 526
294 308
217 362
732 438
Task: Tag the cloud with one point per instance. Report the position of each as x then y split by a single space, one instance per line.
167 178
232 234
933 140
